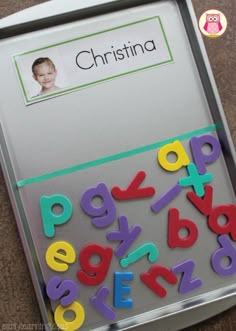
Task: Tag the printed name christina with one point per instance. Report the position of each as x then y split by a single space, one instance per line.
87 59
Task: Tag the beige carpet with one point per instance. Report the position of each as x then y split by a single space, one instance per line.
18 303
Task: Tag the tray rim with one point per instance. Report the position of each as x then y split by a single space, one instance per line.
210 89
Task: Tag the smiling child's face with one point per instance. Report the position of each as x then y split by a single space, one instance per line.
45 75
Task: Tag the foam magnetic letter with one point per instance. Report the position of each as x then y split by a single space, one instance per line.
51 219
227 250
175 224
70 325
204 205
65 290
200 158
53 254
195 180
94 274
103 215
187 283
177 148
229 211
166 198
98 302
134 191
120 289
148 249
150 279
125 235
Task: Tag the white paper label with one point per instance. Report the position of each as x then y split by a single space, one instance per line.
90 59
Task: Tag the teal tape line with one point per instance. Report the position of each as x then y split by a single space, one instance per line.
114 157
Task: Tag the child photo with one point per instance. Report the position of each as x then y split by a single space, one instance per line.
42 75
45 73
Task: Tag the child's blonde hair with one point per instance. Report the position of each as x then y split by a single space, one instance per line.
41 60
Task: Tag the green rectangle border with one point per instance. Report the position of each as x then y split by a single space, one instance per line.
36 99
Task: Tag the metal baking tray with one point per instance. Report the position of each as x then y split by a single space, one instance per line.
108 132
